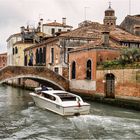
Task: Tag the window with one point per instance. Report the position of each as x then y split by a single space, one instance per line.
25 60
40 55
88 70
69 49
13 51
73 72
52 55
37 57
56 69
59 30
44 55
16 50
30 63
53 31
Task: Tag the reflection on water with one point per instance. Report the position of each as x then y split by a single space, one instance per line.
21 119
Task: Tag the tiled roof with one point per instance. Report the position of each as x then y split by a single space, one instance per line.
92 31
121 35
98 44
49 40
13 35
56 24
137 17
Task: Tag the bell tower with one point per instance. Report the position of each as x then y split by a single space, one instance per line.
110 19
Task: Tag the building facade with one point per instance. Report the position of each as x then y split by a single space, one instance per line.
10 43
131 24
16 44
53 53
85 74
54 27
83 64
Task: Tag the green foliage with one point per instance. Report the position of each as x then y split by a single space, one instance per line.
130 55
110 64
128 58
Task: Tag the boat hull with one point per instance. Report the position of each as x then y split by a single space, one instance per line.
59 109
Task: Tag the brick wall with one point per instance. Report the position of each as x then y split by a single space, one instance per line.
65 72
31 83
80 83
106 55
127 81
81 58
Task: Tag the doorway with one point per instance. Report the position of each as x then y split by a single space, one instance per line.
110 85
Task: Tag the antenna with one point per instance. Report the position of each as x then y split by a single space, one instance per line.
109 4
85 12
129 7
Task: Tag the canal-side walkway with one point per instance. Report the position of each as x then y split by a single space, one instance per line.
120 101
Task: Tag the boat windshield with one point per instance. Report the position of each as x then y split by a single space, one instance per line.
66 97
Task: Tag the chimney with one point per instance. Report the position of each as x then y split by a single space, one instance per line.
105 37
22 29
64 21
41 24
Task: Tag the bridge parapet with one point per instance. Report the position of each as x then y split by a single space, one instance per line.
34 72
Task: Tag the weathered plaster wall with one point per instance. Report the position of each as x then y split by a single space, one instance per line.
83 85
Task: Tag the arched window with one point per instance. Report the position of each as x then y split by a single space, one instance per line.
73 70
88 70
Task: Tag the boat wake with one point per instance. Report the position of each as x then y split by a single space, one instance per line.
106 126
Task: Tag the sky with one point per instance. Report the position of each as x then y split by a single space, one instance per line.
17 13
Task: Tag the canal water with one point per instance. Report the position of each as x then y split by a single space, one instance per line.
21 119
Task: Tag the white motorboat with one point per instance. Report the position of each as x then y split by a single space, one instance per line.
61 102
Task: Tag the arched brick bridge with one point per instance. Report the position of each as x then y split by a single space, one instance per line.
38 73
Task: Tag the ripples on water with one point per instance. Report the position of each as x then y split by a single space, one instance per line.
21 119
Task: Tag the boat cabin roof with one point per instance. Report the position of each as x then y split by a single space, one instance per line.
63 95
54 92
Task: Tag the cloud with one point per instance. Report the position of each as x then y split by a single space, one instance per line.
17 13
10 14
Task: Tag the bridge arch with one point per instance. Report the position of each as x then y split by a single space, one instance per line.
36 73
